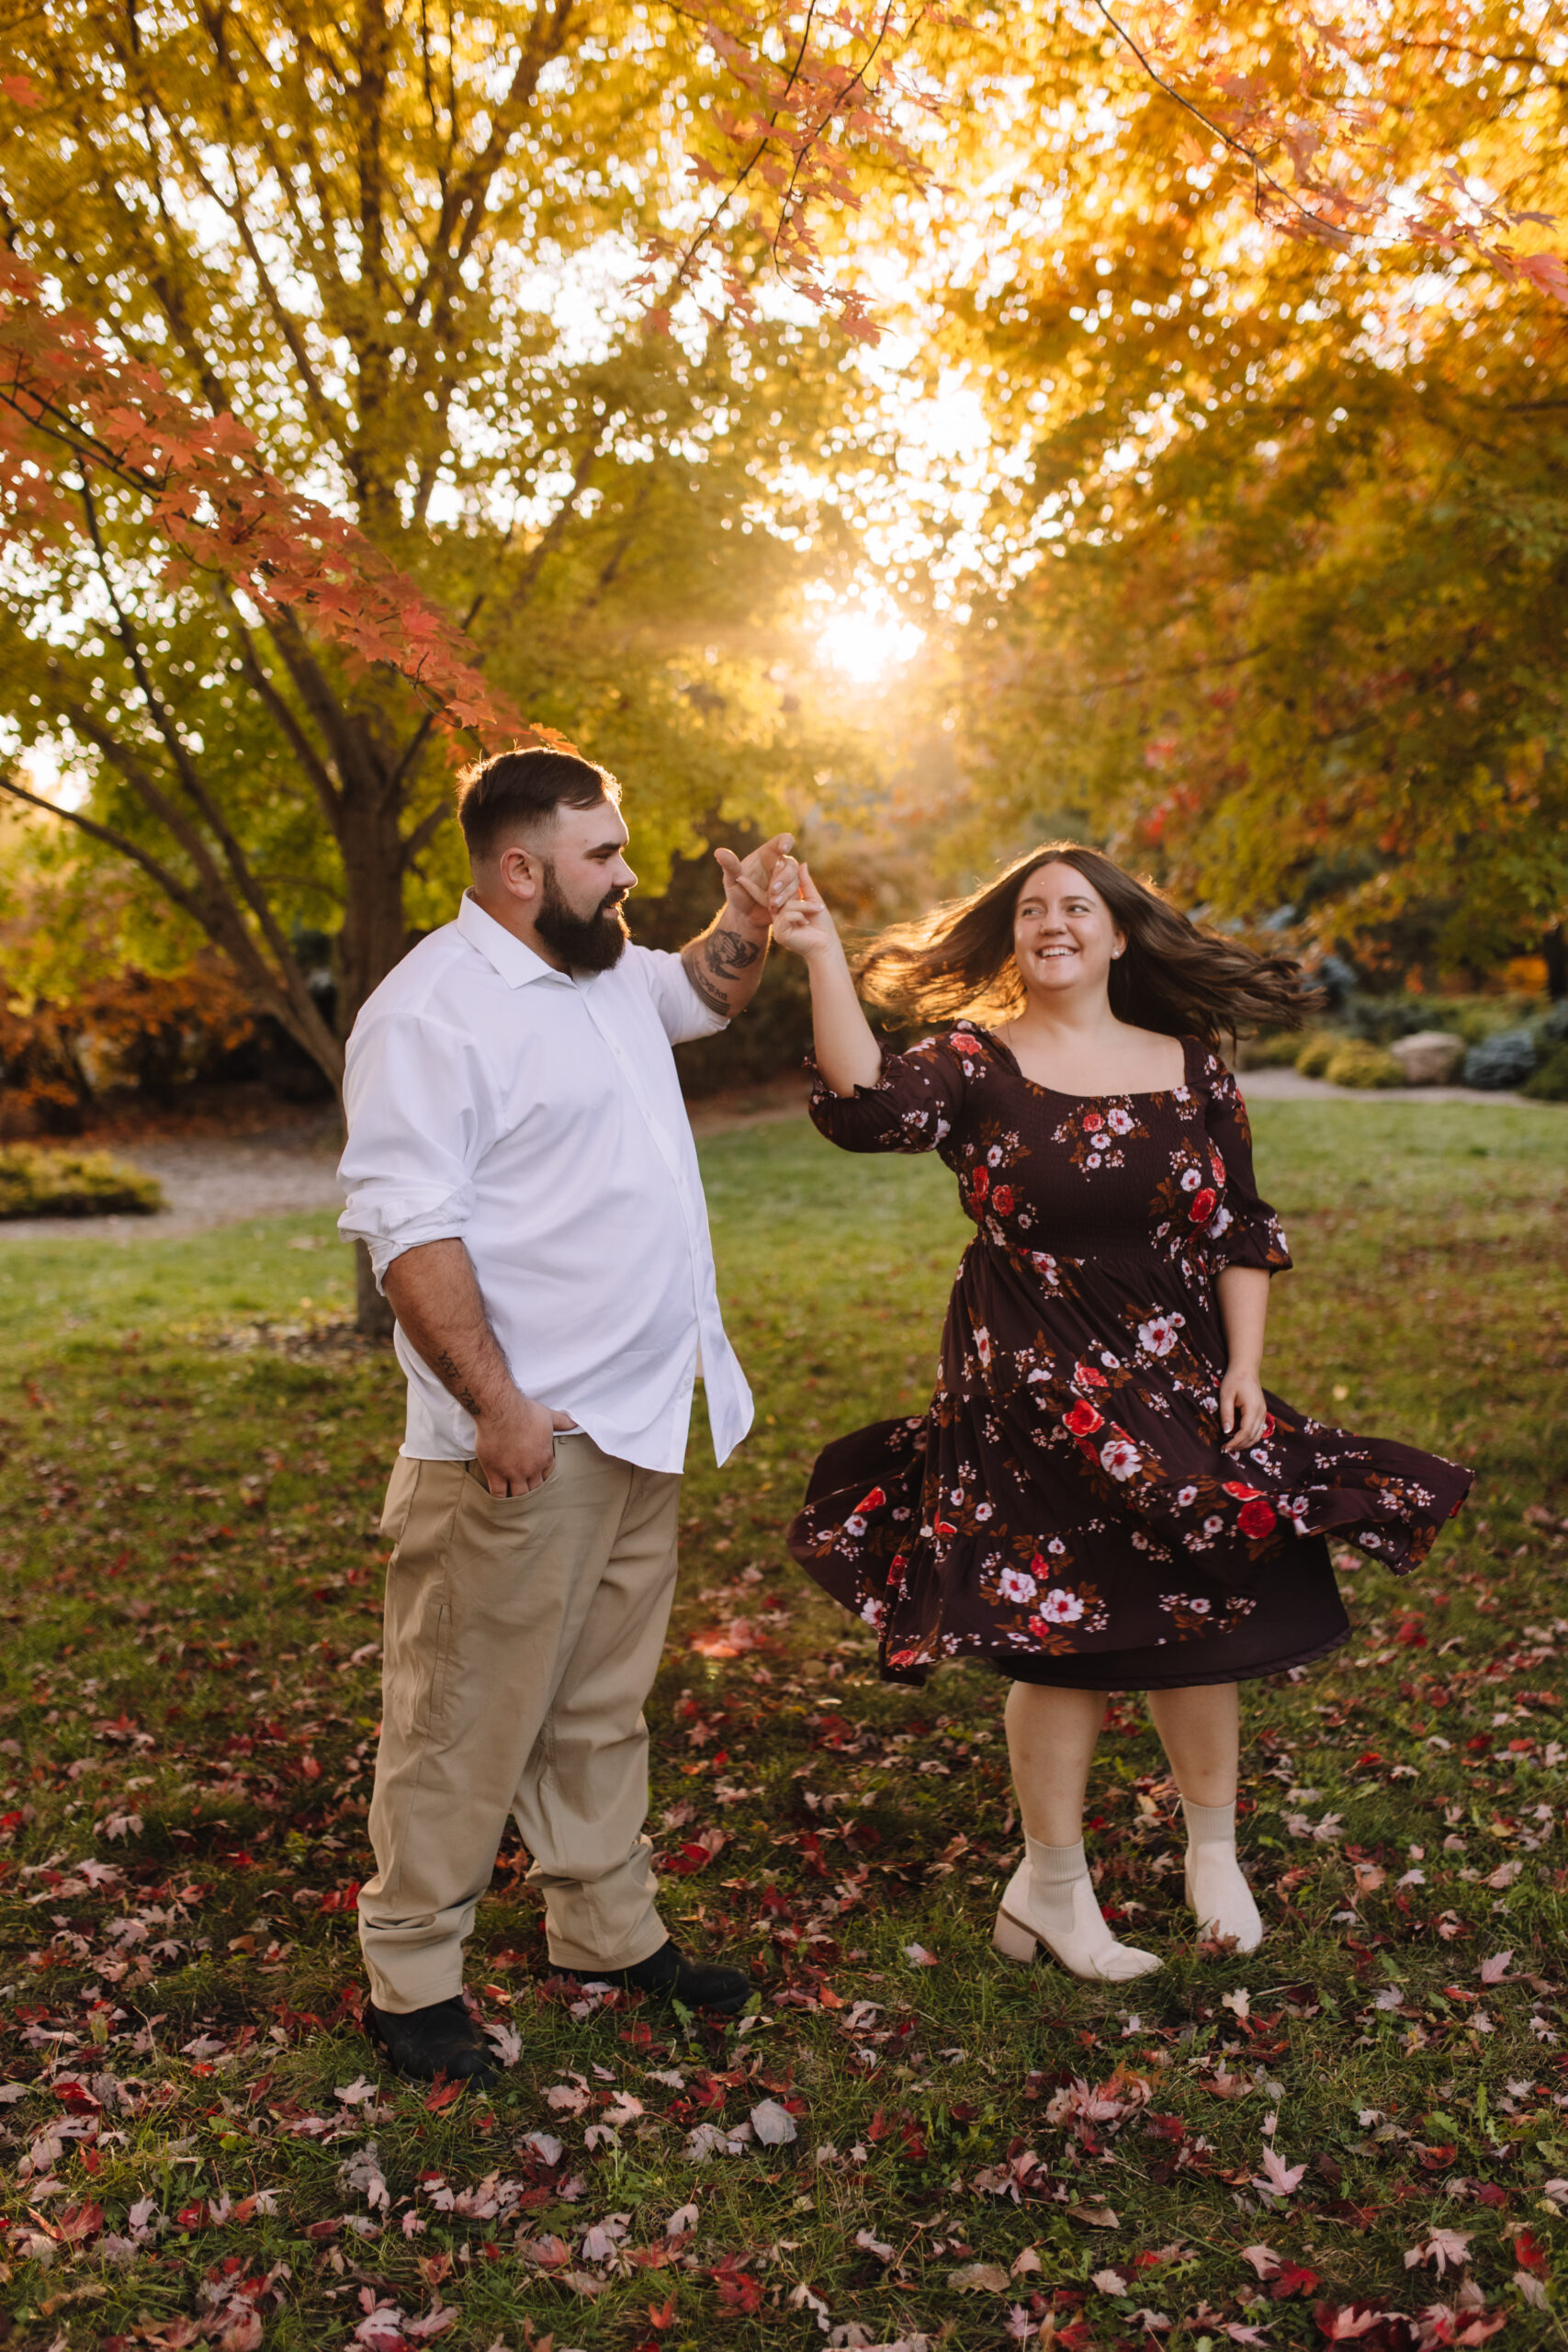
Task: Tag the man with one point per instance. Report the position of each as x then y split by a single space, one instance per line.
521 1167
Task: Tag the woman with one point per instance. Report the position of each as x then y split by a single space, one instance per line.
1102 1497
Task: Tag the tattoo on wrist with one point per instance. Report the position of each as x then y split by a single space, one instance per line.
452 1377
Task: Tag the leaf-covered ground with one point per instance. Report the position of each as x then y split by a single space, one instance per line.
1361 2133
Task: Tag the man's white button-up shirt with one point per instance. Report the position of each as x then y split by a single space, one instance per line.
536 1117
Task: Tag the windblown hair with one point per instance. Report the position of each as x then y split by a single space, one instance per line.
1172 977
499 798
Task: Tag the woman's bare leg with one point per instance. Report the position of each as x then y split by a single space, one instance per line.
1050 1744
1200 1728
1050 1898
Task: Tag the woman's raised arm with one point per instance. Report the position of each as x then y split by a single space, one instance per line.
847 1054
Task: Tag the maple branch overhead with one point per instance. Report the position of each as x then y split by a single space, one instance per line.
1317 226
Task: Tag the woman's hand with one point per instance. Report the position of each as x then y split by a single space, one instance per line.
1242 1410
801 921
847 1054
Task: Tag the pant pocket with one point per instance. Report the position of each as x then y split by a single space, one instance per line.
440 1673
401 1488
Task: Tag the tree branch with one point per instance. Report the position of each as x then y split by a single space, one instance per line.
232 941
1260 174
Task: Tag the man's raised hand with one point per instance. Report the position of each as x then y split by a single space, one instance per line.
747 880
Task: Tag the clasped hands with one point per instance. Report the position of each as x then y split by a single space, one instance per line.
773 889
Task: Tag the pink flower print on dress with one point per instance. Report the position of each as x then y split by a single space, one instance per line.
1017 1583
1001 1200
1120 1122
983 1345
1121 1457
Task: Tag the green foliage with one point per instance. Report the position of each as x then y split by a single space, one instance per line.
1313 1054
190 1678
623 518
1280 1050
1280 549
1504 1059
1548 1081
1382 1019
1355 1063
73 1183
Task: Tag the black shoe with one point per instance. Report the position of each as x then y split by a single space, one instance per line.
669 1975
440 2039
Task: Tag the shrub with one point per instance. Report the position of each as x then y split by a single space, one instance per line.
1550 1081
1500 1062
73 1183
1355 1063
1313 1057
1380 1018
1478 1019
1278 1050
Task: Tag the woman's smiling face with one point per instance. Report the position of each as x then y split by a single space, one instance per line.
1063 936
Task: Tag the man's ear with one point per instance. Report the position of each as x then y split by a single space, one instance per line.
520 871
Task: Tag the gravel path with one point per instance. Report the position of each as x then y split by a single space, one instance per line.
214 1180
1290 1086
291 1172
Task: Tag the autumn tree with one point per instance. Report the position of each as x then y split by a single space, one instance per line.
1264 304
447 280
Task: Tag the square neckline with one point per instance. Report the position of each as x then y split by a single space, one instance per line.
1144 1094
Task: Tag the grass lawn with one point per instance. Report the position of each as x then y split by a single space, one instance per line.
200 2144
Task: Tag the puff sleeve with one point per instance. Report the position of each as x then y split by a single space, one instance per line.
1244 1229
911 1108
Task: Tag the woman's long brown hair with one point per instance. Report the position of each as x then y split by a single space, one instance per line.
1172 977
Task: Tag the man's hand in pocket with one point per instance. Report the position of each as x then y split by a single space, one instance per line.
514 1446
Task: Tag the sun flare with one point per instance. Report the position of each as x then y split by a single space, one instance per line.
864 646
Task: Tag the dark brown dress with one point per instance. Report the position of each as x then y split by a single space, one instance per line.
1064 1509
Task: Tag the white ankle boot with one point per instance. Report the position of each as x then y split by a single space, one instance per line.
1050 1901
1220 1896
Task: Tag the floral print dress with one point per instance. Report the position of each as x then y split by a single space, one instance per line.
1064 1510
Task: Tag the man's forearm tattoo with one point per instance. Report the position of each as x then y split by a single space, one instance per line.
726 956
453 1378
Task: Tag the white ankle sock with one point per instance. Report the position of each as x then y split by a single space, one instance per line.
1221 1898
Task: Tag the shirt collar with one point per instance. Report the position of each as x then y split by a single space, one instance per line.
516 964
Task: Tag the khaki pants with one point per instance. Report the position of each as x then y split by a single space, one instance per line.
522 1636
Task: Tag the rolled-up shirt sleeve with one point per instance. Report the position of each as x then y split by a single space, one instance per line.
418 1119
680 1009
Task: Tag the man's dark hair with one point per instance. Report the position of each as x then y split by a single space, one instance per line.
506 795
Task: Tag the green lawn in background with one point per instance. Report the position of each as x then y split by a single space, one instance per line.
196 2136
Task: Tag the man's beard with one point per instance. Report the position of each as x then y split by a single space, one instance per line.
584 943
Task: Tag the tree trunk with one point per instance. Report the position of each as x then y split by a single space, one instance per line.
373 1319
